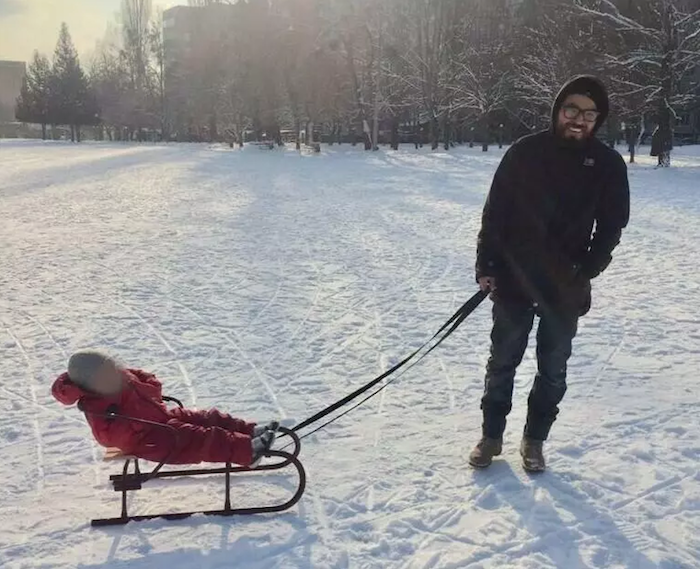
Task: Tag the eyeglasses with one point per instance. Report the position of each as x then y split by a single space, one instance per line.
572 112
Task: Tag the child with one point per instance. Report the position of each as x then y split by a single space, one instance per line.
101 386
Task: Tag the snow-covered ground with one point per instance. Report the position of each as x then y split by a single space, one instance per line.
269 284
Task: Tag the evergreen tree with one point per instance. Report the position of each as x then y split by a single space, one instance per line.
24 110
72 101
33 103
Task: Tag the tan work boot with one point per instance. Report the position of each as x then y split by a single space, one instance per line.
484 451
531 451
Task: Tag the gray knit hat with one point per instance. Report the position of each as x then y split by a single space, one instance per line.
83 366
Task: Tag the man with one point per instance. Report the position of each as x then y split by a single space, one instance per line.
537 253
661 147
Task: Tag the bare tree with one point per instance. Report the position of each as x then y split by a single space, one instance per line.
135 53
663 50
157 72
550 46
352 25
483 83
111 86
429 63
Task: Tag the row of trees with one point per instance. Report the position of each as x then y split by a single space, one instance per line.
429 71
58 92
127 72
436 71
123 90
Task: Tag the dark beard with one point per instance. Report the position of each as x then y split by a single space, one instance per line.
572 143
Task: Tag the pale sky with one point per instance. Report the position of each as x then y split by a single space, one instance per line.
26 25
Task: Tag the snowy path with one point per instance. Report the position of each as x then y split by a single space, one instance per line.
270 284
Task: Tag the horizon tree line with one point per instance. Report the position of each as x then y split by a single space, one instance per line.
428 72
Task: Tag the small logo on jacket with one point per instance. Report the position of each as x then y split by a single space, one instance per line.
589 162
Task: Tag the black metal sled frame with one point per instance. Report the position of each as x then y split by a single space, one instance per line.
128 482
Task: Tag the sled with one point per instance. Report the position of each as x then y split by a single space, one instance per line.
131 481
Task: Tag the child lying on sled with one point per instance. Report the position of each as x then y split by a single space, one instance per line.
101 386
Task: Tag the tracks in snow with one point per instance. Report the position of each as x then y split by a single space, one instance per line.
35 419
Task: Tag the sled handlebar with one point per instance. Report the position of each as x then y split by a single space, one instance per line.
175 400
171 430
111 415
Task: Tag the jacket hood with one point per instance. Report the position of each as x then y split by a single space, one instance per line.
589 86
65 391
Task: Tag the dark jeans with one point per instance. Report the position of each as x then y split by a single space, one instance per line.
512 324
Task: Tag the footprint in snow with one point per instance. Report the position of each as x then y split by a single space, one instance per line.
489 500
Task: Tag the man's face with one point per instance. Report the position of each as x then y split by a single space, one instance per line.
577 118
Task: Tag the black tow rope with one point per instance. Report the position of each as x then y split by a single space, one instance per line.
446 330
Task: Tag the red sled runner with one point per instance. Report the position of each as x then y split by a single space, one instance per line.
131 481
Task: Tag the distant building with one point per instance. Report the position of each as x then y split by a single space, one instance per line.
11 77
178 26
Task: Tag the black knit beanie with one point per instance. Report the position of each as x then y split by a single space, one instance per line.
590 87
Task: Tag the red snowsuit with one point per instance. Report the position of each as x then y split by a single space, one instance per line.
202 436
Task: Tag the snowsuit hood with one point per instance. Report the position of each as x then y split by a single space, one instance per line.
67 392
141 397
589 86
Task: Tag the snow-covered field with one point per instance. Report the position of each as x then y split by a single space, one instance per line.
269 284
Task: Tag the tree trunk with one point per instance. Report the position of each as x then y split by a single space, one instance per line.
297 128
375 124
665 136
484 130
367 135
394 133
164 134
278 135
446 131
43 131
78 133
257 128
434 133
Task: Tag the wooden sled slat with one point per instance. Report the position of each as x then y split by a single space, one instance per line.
114 453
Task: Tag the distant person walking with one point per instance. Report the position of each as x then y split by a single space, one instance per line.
661 146
537 253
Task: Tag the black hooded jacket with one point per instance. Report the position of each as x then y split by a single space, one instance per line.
554 214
